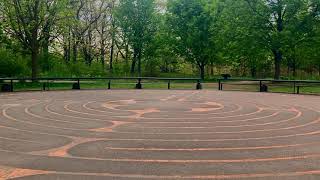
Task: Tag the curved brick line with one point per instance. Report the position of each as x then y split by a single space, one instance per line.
168 98
204 110
158 149
218 140
208 122
209 161
213 140
12 173
217 149
215 177
238 132
262 138
216 161
35 132
47 108
113 107
138 113
27 111
20 140
246 125
110 121
5 114
219 117
238 109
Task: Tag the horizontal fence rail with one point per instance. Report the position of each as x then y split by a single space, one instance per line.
264 84
8 84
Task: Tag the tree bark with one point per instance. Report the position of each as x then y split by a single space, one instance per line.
75 52
211 69
102 56
127 55
45 57
34 63
202 71
134 61
277 62
139 63
253 71
111 56
294 68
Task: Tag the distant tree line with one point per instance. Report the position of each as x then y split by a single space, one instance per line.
257 38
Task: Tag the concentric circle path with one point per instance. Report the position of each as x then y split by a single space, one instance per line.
159 135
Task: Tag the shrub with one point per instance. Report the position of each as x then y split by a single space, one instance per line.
12 65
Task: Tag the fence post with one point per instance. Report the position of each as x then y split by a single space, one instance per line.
199 85
260 86
139 85
109 84
298 89
169 84
294 87
219 84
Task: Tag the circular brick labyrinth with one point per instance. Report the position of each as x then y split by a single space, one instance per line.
159 135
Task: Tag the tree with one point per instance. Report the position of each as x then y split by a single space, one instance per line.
190 24
237 41
136 19
29 23
276 20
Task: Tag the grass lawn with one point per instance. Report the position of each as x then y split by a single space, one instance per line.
186 85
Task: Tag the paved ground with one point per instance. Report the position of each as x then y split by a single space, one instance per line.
159 135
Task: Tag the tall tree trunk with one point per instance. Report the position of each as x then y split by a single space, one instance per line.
139 63
102 56
134 61
34 53
127 56
211 69
202 71
294 68
34 62
117 56
111 56
277 62
113 26
75 52
253 71
66 53
45 56
45 46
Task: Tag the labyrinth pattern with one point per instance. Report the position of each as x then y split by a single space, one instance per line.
158 134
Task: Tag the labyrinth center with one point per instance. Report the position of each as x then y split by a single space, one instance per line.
159 135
